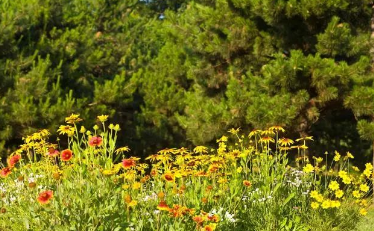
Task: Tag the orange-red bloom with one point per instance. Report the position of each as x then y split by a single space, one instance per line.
247 183
66 155
45 197
13 160
163 206
128 163
95 141
5 172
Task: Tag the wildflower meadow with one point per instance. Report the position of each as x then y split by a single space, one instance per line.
251 180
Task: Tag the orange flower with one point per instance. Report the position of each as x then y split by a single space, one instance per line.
5 172
210 227
13 160
247 183
198 219
214 217
163 206
95 141
66 155
128 163
169 177
45 197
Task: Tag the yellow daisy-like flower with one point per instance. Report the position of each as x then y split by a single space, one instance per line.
65 129
285 142
363 212
266 139
326 204
337 156
342 174
355 168
334 185
364 187
349 155
314 194
102 118
319 198
72 119
277 128
234 131
305 138
339 193
136 185
356 194
200 149
132 203
122 150
314 205
347 180
308 168
335 204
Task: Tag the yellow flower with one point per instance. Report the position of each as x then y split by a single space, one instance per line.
83 129
239 170
201 149
254 132
234 131
222 139
122 150
337 156
315 205
277 128
334 185
314 194
364 202
355 168
326 204
308 168
363 212
266 139
65 129
132 203
349 155
305 138
342 174
347 180
319 159
356 194
102 118
116 128
73 119
125 186
136 185
319 198
285 142
335 204
364 187
339 193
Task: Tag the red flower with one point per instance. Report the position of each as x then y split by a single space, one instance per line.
66 155
95 141
128 163
13 160
52 152
5 172
163 206
45 197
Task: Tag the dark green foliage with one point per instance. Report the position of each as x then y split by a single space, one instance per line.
206 67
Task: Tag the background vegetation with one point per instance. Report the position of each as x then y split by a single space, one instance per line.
179 73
